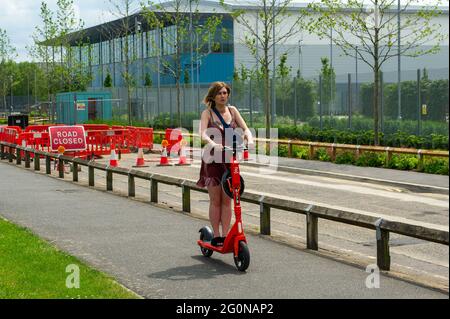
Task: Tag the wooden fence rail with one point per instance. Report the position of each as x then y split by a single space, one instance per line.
382 226
333 148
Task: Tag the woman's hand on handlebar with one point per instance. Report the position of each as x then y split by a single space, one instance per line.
216 146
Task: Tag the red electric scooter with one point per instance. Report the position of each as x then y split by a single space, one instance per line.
235 242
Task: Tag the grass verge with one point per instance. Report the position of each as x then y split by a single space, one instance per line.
32 268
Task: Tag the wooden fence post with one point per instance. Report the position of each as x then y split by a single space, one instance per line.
311 151
60 168
11 154
264 217
131 186
312 230
18 156
186 195
27 159
75 172
388 156
153 191
91 176
383 256
37 162
420 157
48 162
109 180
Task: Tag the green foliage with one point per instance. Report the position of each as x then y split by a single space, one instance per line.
321 154
371 159
108 81
434 93
403 161
345 158
148 80
328 85
300 152
436 166
282 150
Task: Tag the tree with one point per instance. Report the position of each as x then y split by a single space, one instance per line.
328 86
271 14
7 54
124 30
370 33
108 80
176 18
284 86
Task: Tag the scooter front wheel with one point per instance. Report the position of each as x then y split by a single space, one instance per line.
242 261
205 252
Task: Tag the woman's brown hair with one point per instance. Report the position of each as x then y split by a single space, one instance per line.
214 88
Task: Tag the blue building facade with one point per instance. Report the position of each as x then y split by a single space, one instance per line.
151 53
80 107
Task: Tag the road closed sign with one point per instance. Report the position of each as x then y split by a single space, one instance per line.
72 138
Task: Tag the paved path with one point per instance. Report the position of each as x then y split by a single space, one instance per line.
153 251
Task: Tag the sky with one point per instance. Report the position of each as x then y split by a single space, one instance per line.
20 17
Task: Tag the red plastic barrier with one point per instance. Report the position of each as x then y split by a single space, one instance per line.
40 128
95 127
173 136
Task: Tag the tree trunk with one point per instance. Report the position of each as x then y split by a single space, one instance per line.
376 85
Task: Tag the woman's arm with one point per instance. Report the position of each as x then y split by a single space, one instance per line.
241 123
204 120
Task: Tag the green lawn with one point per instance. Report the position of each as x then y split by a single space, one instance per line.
32 268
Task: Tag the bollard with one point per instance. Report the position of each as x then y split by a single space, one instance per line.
153 191
48 168
109 180
186 195
91 176
131 186
75 172
27 159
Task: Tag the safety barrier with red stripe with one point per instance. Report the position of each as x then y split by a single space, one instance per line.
100 138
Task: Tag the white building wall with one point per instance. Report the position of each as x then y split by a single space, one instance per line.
314 48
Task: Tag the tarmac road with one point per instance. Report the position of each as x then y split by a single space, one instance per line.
153 251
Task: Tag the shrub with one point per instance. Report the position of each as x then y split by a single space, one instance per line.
300 152
436 166
404 162
345 158
371 159
322 155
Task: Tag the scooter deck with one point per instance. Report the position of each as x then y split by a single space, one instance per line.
220 249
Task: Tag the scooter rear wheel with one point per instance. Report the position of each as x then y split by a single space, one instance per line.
242 261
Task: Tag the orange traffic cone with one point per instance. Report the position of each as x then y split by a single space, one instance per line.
182 160
140 162
164 161
113 162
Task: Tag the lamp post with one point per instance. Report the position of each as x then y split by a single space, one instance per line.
11 98
399 87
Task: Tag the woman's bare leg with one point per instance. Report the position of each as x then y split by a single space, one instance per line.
215 203
226 213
